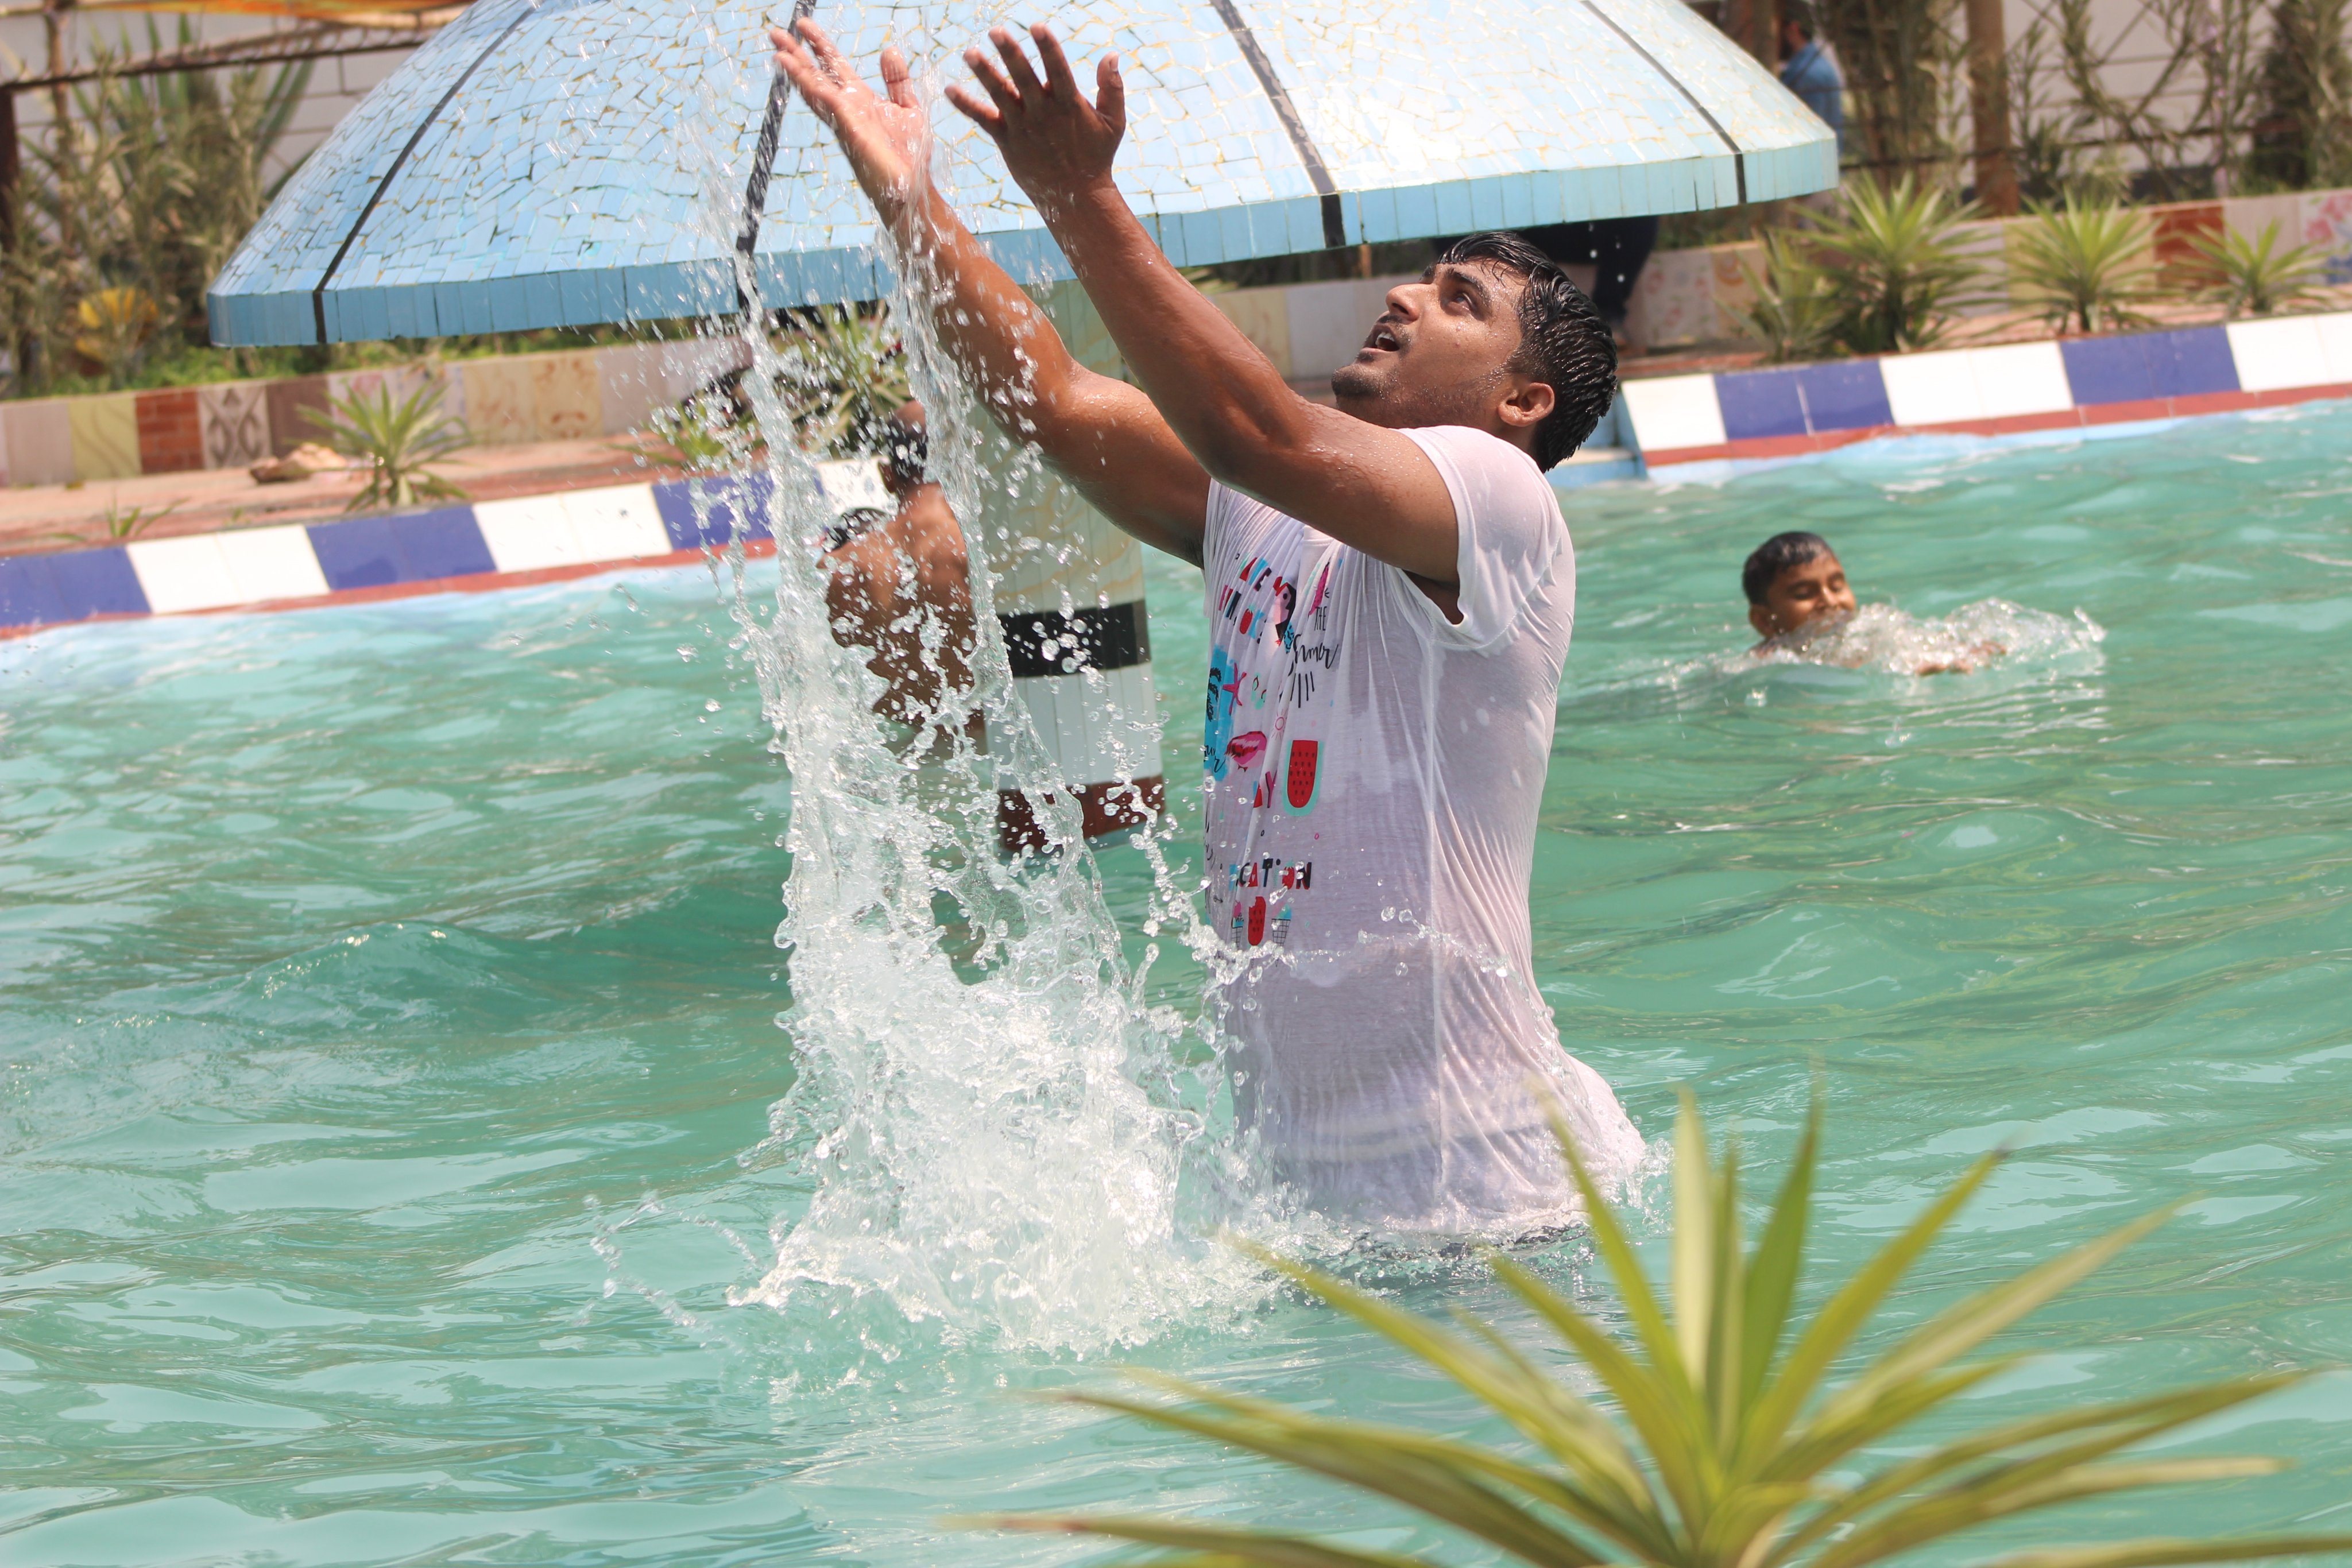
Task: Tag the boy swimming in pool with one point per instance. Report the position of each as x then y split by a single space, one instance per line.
1794 579
1799 600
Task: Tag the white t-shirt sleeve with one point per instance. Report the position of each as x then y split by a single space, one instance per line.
1509 532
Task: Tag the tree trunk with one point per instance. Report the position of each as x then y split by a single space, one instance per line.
1989 108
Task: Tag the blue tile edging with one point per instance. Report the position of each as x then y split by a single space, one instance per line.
369 555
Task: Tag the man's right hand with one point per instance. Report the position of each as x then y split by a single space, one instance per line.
887 139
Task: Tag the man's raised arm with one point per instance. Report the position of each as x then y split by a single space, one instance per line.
1102 434
1367 486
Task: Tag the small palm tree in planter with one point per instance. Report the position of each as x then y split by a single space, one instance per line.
2085 265
2252 276
399 442
1895 266
1730 1448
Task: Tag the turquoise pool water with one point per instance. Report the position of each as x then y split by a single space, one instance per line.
389 1029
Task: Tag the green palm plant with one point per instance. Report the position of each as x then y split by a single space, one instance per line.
841 372
2252 276
399 440
1731 1449
1895 266
1794 313
2085 265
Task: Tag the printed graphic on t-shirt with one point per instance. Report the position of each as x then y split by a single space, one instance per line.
1271 655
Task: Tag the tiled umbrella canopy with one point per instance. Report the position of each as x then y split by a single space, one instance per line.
563 163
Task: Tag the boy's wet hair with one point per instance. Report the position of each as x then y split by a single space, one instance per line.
1776 554
1563 341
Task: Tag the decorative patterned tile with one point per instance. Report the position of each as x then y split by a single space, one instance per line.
567 396
499 407
234 417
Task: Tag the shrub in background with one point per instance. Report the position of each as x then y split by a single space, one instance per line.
1794 313
1895 265
1729 1449
2253 276
2084 265
398 442
148 184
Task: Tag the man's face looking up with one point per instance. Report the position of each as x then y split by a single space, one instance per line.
1803 592
1440 354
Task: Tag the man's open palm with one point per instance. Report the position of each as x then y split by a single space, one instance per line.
888 138
1054 143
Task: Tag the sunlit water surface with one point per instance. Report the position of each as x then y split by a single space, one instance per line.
390 1029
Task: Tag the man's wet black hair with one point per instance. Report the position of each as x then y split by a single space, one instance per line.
1776 554
1563 341
906 448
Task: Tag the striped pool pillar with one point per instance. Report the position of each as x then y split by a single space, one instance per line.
1069 599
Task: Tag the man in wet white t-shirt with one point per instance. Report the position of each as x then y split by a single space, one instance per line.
1391 590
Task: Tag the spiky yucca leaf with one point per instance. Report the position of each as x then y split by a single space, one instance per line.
2252 276
1726 1449
400 442
2085 266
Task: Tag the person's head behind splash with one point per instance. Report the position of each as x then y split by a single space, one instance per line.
1792 579
1494 322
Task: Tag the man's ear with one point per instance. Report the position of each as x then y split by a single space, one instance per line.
1527 405
1762 619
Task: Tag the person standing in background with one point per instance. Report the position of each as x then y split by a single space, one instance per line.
1807 69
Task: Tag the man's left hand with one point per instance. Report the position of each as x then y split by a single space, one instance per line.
1055 144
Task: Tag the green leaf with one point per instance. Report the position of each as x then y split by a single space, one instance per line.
1838 1322
1670 1429
1499 1385
2006 1493
1224 1543
2120 1424
1650 1326
2160 1553
1773 1267
1959 1329
1446 1479
1693 1249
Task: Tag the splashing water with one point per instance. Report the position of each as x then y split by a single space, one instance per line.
1974 637
1001 1134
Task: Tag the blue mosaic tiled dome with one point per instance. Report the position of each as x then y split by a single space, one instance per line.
562 162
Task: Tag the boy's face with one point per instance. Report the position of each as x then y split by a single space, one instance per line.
1806 592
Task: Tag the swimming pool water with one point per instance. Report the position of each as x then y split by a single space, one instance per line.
389 1031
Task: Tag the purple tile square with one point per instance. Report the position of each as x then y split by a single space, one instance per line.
28 595
1760 404
1851 395
97 582
2108 370
357 553
443 542
2188 363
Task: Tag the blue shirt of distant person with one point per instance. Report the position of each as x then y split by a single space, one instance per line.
1808 72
